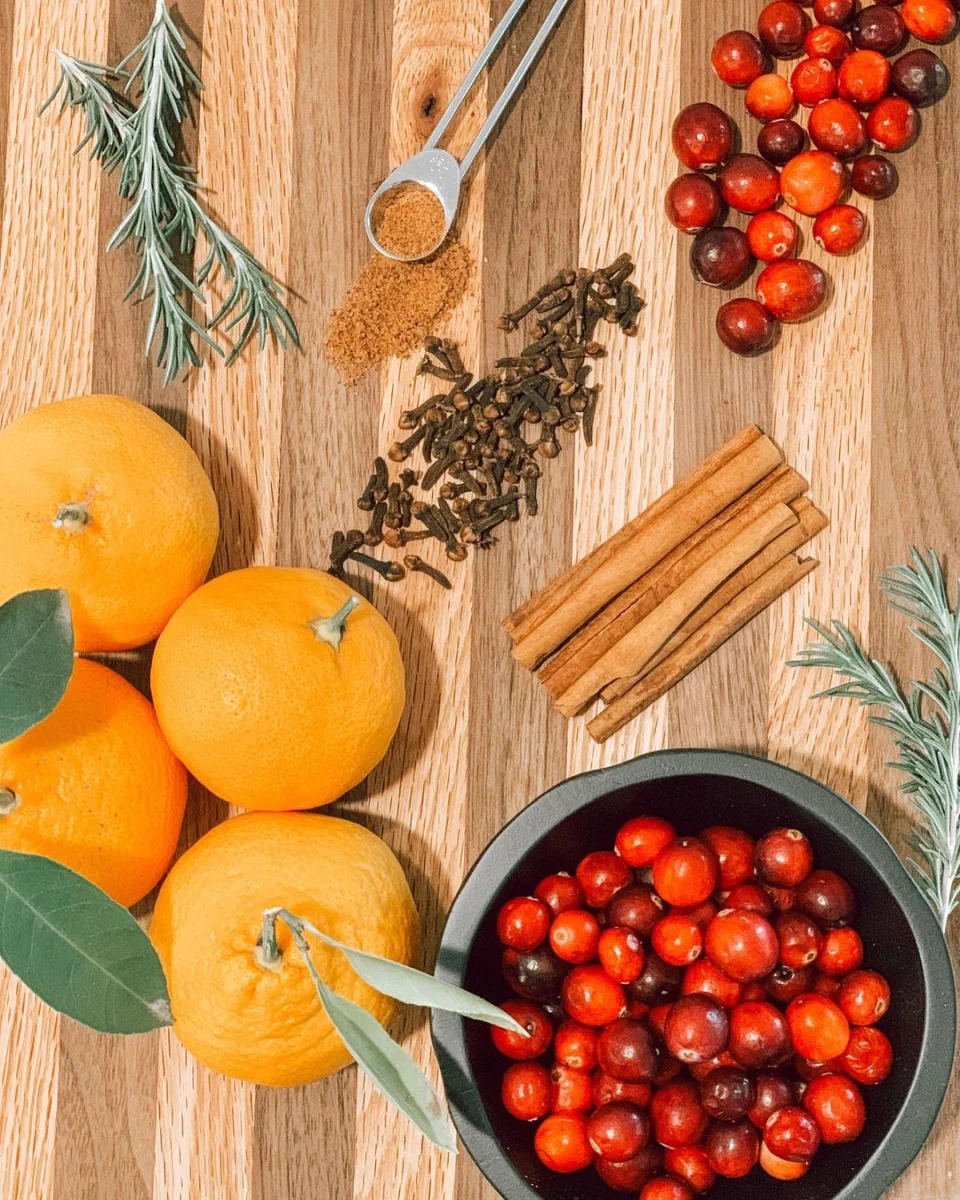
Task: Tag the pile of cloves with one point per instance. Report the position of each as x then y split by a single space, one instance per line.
472 436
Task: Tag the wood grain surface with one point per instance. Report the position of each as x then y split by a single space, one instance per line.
307 105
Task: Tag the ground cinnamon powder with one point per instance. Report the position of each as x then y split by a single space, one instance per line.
393 306
410 221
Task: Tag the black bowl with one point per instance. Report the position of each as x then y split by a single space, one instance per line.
695 788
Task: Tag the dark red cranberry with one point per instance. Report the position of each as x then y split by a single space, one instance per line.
779 141
792 1134
618 1131
745 327
759 1035
827 898
879 27
920 77
634 1174
752 898
693 202
749 183
696 1029
874 176
733 1148
838 13
738 58
702 136
799 939
782 26
535 975
690 1163
628 1051
785 984
773 1092
637 907
677 1116
659 983
601 875
784 857
734 850
728 1093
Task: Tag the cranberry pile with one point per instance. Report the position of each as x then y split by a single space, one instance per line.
693 1006
855 96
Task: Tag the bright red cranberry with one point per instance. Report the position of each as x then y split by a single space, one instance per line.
634 1174
779 1168
664 1188
929 20
792 1134
835 1103
742 944
782 26
835 12
793 289
702 137
561 1143
864 78
779 141
677 939
628 1051
785 984
841 951
523 923
575 1045
864 997
728 1093
840 229
759 1035
575 936
572 1089
534 975
734 852
641 839
827 898
678 1117
818 1027
658 983
773 1092
621 954
879 27
745 327
826 41
920 77
738 58
811 182
685 872
591 997
696 1029
706 978
618 1131
799 939
637 907
733 1148
690 1163
752 898
606 1090
560 893
813 80
537 1024
893 122
874 176
837 127
769 98
749 183
601 875
772 235
868 1057
784 857
527 1091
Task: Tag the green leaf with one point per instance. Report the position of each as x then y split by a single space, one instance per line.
415 987
80 951
36 658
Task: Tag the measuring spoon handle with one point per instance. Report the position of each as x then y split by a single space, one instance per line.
515 82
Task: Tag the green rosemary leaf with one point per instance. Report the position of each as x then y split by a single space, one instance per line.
86 86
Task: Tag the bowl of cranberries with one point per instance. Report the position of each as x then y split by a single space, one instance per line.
727 980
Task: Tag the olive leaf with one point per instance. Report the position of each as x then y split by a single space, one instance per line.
77 949
36 658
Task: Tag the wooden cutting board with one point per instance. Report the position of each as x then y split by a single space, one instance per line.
307 104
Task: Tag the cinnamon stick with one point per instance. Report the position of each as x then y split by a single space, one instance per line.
637 647
646 548
629 608
810 522
524 620
722 626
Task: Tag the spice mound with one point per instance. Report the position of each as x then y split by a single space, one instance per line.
410 221
393 306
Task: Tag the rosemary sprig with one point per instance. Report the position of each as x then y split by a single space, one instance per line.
924 720
165 215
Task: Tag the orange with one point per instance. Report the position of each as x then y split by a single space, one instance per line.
102 497
95 786
270 703
265 1023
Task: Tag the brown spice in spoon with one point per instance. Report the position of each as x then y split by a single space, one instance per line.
410 221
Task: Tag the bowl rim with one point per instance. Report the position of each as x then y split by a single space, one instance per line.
906 1135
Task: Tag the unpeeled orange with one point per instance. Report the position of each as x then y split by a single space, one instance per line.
278 687
264 1023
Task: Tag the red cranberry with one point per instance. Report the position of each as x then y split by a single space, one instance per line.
826 41
868 1057
678 1117
799 940
779 1168
774 1091
606 1090
812 182
813 80
734 851
523 923
658 982
759 1035
738 58
745 327
784 857
752 898
537 1025
841 951
874 176
733 1148
835 12
637 907
779 141
769 98
685 872
634 1174
693 202
701 914
561 1143
702 137
792 289
835 1103
628 1051
601 875
748 183
572 1089
827 898
792 1134
893 122
591 997
864 77
677 939
920 77
690 1163
619 1131
837 127
527 1091
657 1019
535 975
575 1045
782 26
705 977
742 944
818 1027
864 997
641 839
879 27
840 229
785 984
560 893
807 1069
728 1093
772 235
666 1189
696 1029
929 20
575 935
621 954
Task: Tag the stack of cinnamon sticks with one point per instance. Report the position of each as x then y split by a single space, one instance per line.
644 609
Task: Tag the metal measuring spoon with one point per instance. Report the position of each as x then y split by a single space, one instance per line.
437 170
